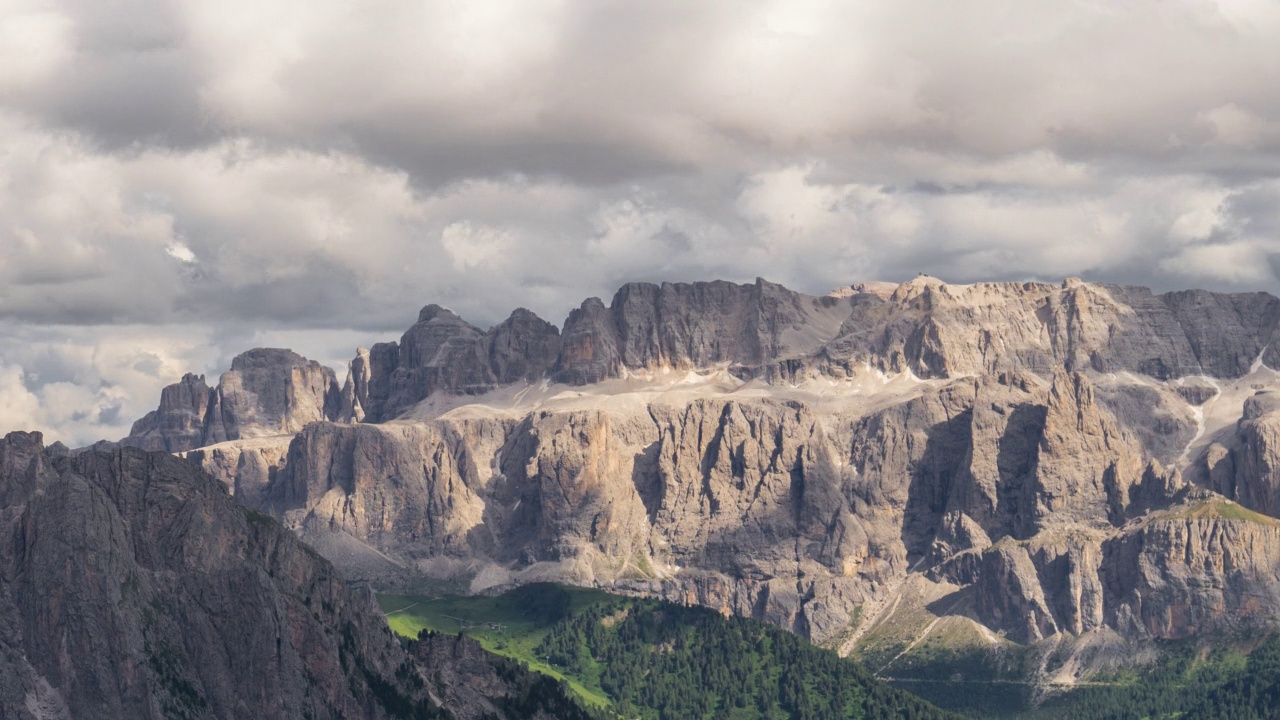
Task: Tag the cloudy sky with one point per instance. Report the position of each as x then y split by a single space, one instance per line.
181 181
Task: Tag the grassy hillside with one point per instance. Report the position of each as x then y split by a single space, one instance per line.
511 625
657 661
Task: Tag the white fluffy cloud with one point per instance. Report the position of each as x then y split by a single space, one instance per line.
80 384
183 180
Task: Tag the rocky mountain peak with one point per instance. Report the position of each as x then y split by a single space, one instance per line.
442 353
432 311
179 422
1086 462
700 325
917 287
940 330
525 316
267 391
522 347
268 359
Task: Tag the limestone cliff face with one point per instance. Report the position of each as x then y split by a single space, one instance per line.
1244 462
589 349
246 467
1201 563
410 487
1256 482
940 330
646 327
743 492
694 325
1190 569
442 353
133 587
1085 463
757 506
1002 453
179 423
268 391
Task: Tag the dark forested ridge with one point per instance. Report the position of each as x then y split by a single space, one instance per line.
665 662
659 661
1250 695
1191 682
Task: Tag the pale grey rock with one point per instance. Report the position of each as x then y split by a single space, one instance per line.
1257 457
1157 416
442 353
906 459
1069 570
752 506
1190 570
747 328
748 492
993 483
369 381
1085 465
247 467
1196 393
1227 332
1220 469
940 330
522 348
179 423
765 330
268 391
957 533
589 349
355 391
1010 595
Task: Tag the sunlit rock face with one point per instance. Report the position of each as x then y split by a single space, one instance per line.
268 391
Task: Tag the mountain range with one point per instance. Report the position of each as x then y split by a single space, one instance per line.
1053 476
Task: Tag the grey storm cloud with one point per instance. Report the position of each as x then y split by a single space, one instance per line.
182 180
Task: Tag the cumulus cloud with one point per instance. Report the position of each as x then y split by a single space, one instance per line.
257 172
79 385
